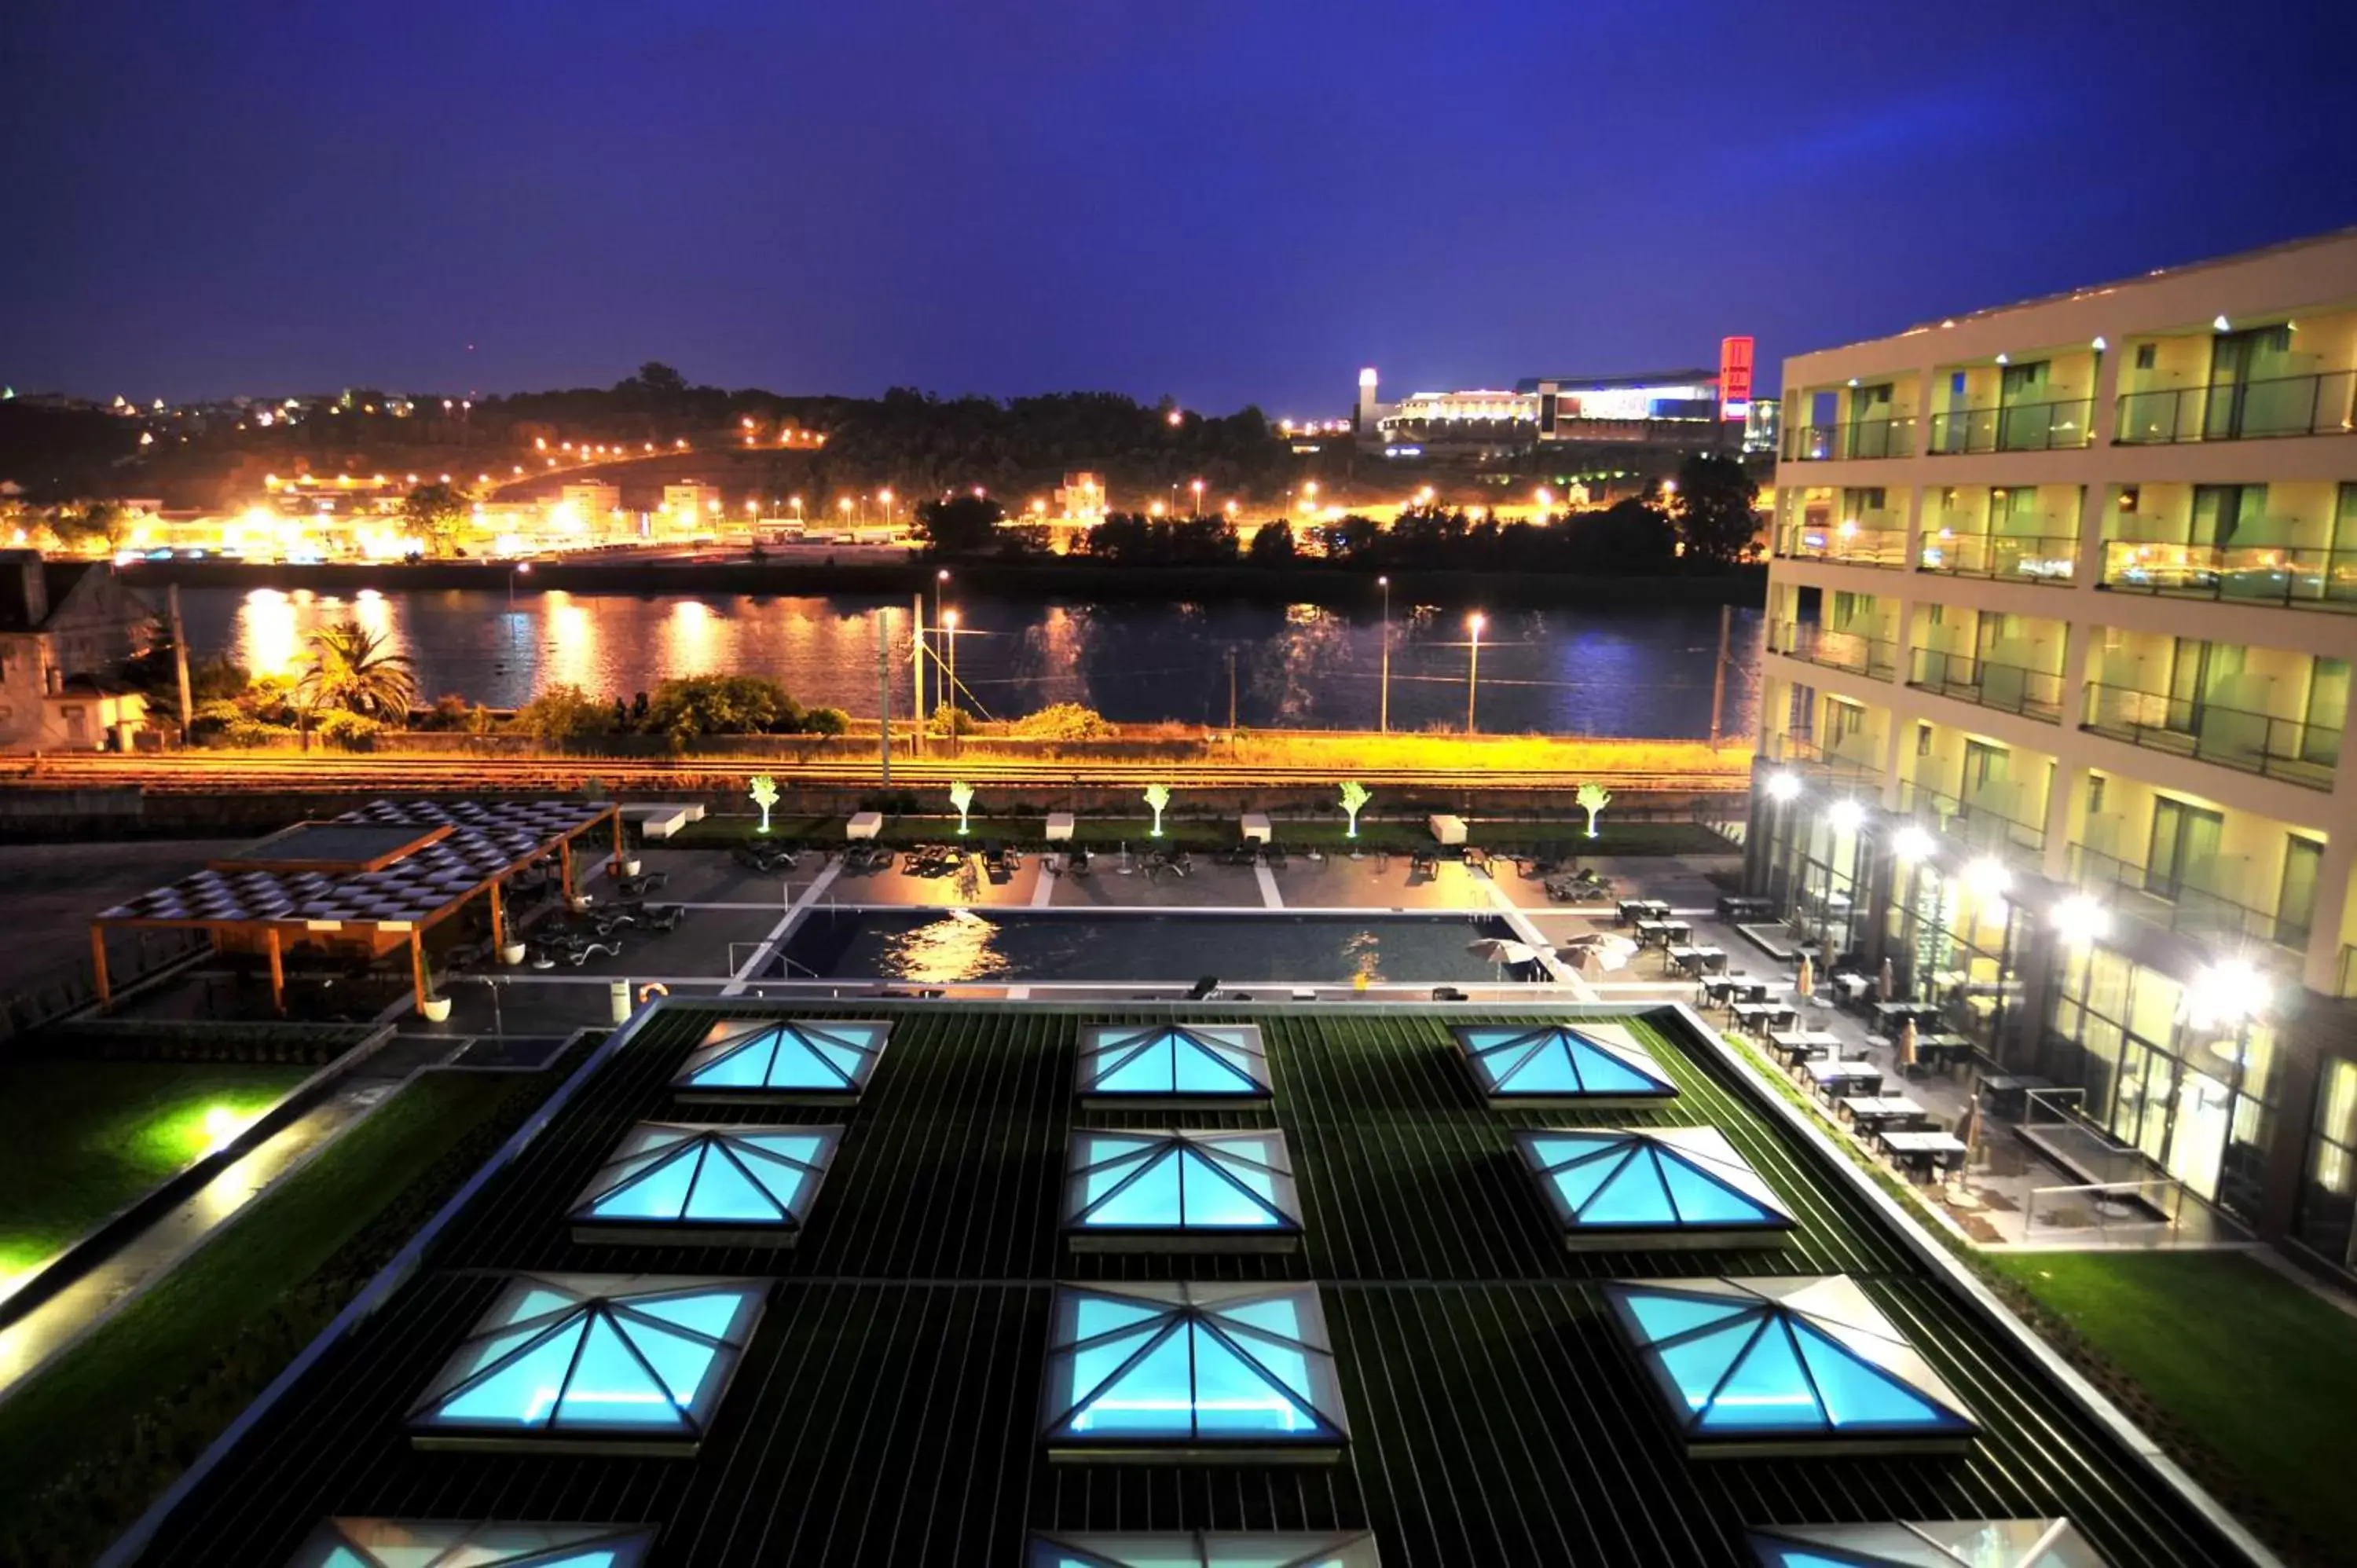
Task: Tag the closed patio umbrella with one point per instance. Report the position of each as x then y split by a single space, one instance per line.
1804 983
1886 984
1907 1046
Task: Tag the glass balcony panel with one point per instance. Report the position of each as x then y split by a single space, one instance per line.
2009 688
2316 405
2258 574
2131 891
2020 557
2291 749
2023 427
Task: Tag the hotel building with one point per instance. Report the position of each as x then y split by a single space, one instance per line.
2062 615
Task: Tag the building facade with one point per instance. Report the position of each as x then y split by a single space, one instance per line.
2062 615
63 625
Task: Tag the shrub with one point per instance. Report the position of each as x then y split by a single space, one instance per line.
1062 720
254 732
561 716
352 731
949 719
694 706
826 721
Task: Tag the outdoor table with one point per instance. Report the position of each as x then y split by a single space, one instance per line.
1922 1151
1836 1077
1872 1113
1696 961
1793 1046
1755 1016
1894 1014
1740 906
1943 1050
1634 910
2009 1093
1663 931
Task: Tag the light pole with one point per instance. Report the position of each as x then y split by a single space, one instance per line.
886 496
941 581
1198 488
1472 668
949 631
1383 690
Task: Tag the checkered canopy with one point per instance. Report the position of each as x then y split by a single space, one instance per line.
486 840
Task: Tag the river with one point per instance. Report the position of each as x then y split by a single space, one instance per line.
1636 671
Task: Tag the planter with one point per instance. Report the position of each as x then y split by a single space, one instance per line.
511 954
437 1009
626 868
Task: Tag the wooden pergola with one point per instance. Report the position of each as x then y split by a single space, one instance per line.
368 883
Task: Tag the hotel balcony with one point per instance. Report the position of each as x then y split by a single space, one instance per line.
1984 825
1859 652
1850 543
2189 908
2292 749
2008 688
1847 763
2020 427
2291 575
2320 403
2020 558
1858 439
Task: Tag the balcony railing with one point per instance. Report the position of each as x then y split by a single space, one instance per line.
2023 427
2324 403
1859 439
1854 651
1974 825
2023 557
2008 688
1848 542
1803 755
2291 749
2178 905
2246 573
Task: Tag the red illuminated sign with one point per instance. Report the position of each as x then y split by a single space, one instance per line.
1734 377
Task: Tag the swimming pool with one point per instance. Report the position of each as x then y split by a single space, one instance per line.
944 947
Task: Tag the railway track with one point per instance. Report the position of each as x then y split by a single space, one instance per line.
214 774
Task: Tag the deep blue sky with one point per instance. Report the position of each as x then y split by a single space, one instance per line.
1221 200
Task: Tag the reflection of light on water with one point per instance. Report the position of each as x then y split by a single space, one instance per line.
267 637
688 638
1362 956
571 641
961 945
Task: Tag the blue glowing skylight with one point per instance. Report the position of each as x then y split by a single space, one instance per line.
1928 1544
1136 1370
802 1058
1151 1188
1625 1186
754 1184
1173 1064
1197 1548
444 1544
640 1359
1779 1364
1555 1064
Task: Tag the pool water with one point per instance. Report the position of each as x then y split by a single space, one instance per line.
945 947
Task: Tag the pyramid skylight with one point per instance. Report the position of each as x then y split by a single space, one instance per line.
1179 1065
1778 1366
670 1182
621 1363
444 1544
800 1059
1162 1191
1136 1371
1928 1544
1199 1549
1651 1186
1596 1065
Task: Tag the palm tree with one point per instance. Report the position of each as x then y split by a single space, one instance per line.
354 670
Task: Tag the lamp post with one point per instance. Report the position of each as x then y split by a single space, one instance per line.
1384 688
1472 668
1198 488
941 581
949 630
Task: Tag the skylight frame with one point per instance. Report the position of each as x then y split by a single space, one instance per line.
1830 1309
1704 1150
1205 1549
1491 1067
1228 1155
1239 1049
583 1308
728 1037
652 1146
463 1541
1294 1368
2051 1543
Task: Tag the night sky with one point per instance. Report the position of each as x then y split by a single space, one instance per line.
1222 202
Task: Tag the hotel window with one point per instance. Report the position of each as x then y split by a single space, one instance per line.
1842 720
2296 898
2328 1199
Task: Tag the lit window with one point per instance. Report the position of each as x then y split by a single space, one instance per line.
1598 1064
1178 1065
2012 1543
1199 1549
1135 1372
1624 1187
443 1543
1161 1191
806 1060
724 1185
1781 1365
624 1363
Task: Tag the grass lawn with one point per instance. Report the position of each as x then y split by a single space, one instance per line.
2263 1369
86 1138
138 1399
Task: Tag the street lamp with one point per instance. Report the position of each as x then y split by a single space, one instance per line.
1472 667
1198 488
949 630
1383 690
940 583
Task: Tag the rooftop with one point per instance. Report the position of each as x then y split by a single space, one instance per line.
888 1407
